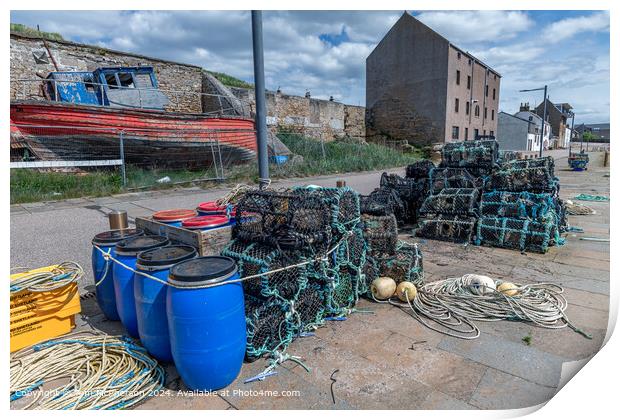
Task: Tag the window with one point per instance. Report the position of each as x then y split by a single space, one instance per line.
484 132
455 132
456 105
469 62
492 133
466 133
492 115
467 108
493 93
485 113
458 77
476 135
458 55
477 111
126 80
486 90
468 82
110 79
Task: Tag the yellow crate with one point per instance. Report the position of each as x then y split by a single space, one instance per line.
39 316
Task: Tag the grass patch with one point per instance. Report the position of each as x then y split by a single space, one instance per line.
229 80
27 30
340 157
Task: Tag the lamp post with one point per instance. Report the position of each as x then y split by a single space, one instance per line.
572 133
259 92
542 130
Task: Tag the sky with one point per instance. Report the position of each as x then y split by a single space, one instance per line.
324 52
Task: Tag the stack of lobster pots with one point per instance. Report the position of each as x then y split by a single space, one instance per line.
451 209
302 252
475 197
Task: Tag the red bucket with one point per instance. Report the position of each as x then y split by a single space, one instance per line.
210 207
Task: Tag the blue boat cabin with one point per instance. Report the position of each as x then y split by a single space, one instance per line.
119 87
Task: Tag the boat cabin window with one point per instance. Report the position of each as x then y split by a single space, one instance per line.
110 79
89 84
126 80
143 80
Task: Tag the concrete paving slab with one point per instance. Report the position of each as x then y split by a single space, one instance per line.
508 356
499 390
439 401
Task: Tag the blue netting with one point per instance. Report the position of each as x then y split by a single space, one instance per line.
479 154
518 205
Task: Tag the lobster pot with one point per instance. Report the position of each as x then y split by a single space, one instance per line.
404 265
419 169
380 233
126 253
310 308
534 179
370 271
150 296
269 326
343 202
452 201
478 153
284 220
455 229
516 205
524 235
206 321
256 258
407 188
507 155
441 178
352 250
542 162
383 201
102 268
578 161
342 294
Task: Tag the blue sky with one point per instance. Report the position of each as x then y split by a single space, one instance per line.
325 51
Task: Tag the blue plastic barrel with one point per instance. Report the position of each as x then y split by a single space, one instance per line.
102 268
207 325
150 297
126 252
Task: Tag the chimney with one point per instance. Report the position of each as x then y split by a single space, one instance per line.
524 107
307 94
331 99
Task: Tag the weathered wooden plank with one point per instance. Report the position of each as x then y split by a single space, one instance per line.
207 242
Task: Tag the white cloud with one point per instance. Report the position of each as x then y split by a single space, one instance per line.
567 28
477 26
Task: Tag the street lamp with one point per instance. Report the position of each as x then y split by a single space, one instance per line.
542 131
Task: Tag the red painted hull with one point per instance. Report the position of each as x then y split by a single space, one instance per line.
66 131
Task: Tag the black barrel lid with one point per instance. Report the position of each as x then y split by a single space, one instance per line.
203 269
167 255
111 237
141 243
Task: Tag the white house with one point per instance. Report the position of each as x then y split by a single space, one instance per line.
521 131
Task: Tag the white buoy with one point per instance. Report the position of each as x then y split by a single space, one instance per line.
478 284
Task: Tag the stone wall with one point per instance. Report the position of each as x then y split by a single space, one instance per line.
31 60
318 118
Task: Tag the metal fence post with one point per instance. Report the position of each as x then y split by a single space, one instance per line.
122 146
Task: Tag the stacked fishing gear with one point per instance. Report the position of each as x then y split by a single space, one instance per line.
450 211
520 208
386 254
307 250
453 306
45 280
84 371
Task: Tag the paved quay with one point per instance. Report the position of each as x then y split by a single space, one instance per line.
384 359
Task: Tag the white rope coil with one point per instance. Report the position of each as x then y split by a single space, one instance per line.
98 372
451 306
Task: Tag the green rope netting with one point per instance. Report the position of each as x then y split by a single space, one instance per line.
524 235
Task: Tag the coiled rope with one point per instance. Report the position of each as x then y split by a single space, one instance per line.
451 307
103 372
578 209
44 281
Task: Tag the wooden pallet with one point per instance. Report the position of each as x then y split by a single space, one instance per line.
207 242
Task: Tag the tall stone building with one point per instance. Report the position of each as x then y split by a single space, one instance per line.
422 88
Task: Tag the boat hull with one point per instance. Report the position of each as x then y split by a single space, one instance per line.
56 131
